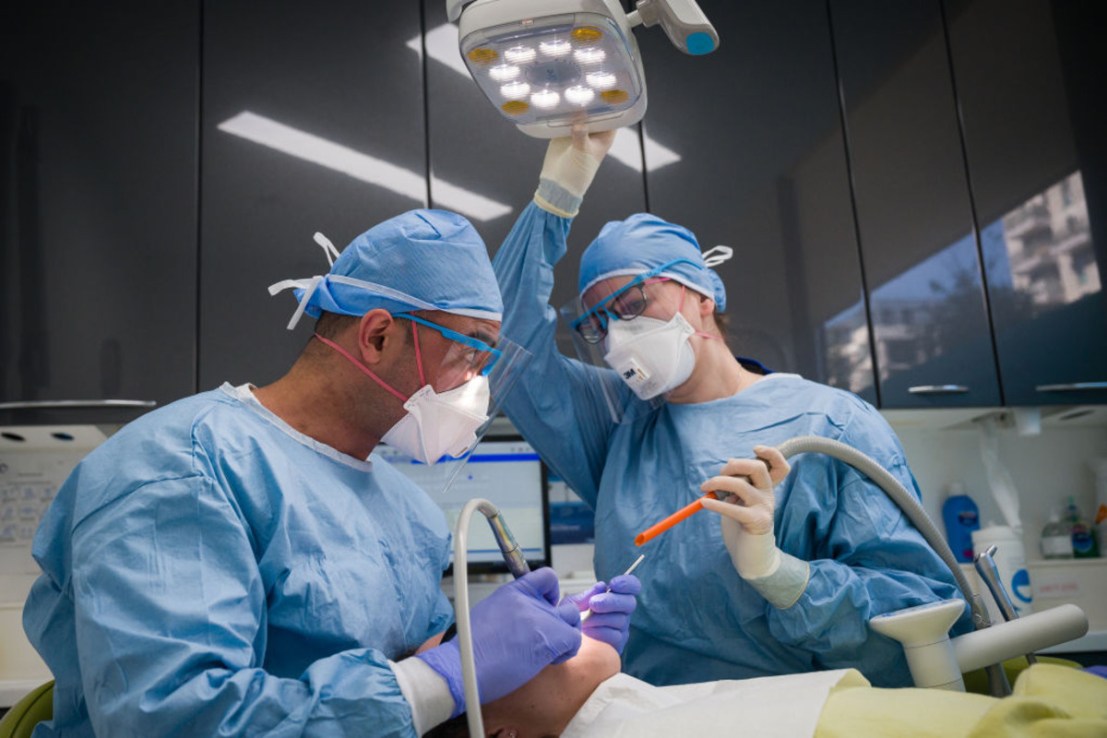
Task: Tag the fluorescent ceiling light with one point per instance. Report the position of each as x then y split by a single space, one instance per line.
626 149
309 147
442 47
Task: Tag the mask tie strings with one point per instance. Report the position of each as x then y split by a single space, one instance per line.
307 285
364 369
716 255
328 248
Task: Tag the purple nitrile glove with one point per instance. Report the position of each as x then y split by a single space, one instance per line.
611 609
518 630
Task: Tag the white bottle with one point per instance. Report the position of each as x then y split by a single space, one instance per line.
1056 538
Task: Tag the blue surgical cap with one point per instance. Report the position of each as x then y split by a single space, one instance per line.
420 260
643 243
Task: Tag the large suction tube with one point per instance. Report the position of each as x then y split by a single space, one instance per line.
902 497
997 679
516 562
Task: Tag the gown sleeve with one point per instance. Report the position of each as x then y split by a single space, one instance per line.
557 404
170 613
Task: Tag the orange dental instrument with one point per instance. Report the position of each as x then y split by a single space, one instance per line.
682 514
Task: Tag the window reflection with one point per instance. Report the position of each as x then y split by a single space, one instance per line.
849 362
920 313
1039 255
917 316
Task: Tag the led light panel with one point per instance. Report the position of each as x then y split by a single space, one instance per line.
544 74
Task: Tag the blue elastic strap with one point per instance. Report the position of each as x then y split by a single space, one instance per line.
601 305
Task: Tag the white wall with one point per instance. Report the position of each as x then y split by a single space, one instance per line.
1046 469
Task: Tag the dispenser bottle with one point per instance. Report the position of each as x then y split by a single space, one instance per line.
1056 538
961 518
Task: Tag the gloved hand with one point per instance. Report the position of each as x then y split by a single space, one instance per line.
571 163
611 610
746 504
518 630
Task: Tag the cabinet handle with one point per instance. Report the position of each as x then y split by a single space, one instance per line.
66 404
1072 387
938 389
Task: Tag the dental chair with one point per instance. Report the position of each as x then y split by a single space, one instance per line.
36 707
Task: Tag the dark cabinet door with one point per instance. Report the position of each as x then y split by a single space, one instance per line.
98 201
922 267
757 163
1030 79
486 169
313 120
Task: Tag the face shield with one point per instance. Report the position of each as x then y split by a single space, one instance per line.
443 426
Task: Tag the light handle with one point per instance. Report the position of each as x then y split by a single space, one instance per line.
685 24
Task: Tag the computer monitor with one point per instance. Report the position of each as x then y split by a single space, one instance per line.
506 471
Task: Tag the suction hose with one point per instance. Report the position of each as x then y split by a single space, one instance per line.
901 496
516 562
915 513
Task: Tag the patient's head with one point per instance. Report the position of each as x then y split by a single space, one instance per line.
544 705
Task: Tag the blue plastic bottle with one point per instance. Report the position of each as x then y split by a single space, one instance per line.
961 518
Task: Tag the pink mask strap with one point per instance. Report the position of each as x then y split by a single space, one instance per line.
418 356
364 370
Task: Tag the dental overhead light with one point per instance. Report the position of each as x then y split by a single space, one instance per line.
546 64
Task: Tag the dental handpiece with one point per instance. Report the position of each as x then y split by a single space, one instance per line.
588 613
509 547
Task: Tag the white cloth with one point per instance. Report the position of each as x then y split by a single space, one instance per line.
768 707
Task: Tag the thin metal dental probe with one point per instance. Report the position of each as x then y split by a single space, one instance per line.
588 613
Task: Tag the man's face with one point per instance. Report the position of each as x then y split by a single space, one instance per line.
448 362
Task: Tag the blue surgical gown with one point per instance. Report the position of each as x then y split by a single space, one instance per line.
697 620
210 571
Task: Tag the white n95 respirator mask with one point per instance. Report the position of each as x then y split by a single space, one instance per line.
441 424
652 356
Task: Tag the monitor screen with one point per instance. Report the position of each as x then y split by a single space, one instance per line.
506 471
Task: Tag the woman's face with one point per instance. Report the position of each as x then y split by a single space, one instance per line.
628 298
545 705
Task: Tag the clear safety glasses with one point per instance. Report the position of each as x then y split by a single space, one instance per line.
626 303
467 356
